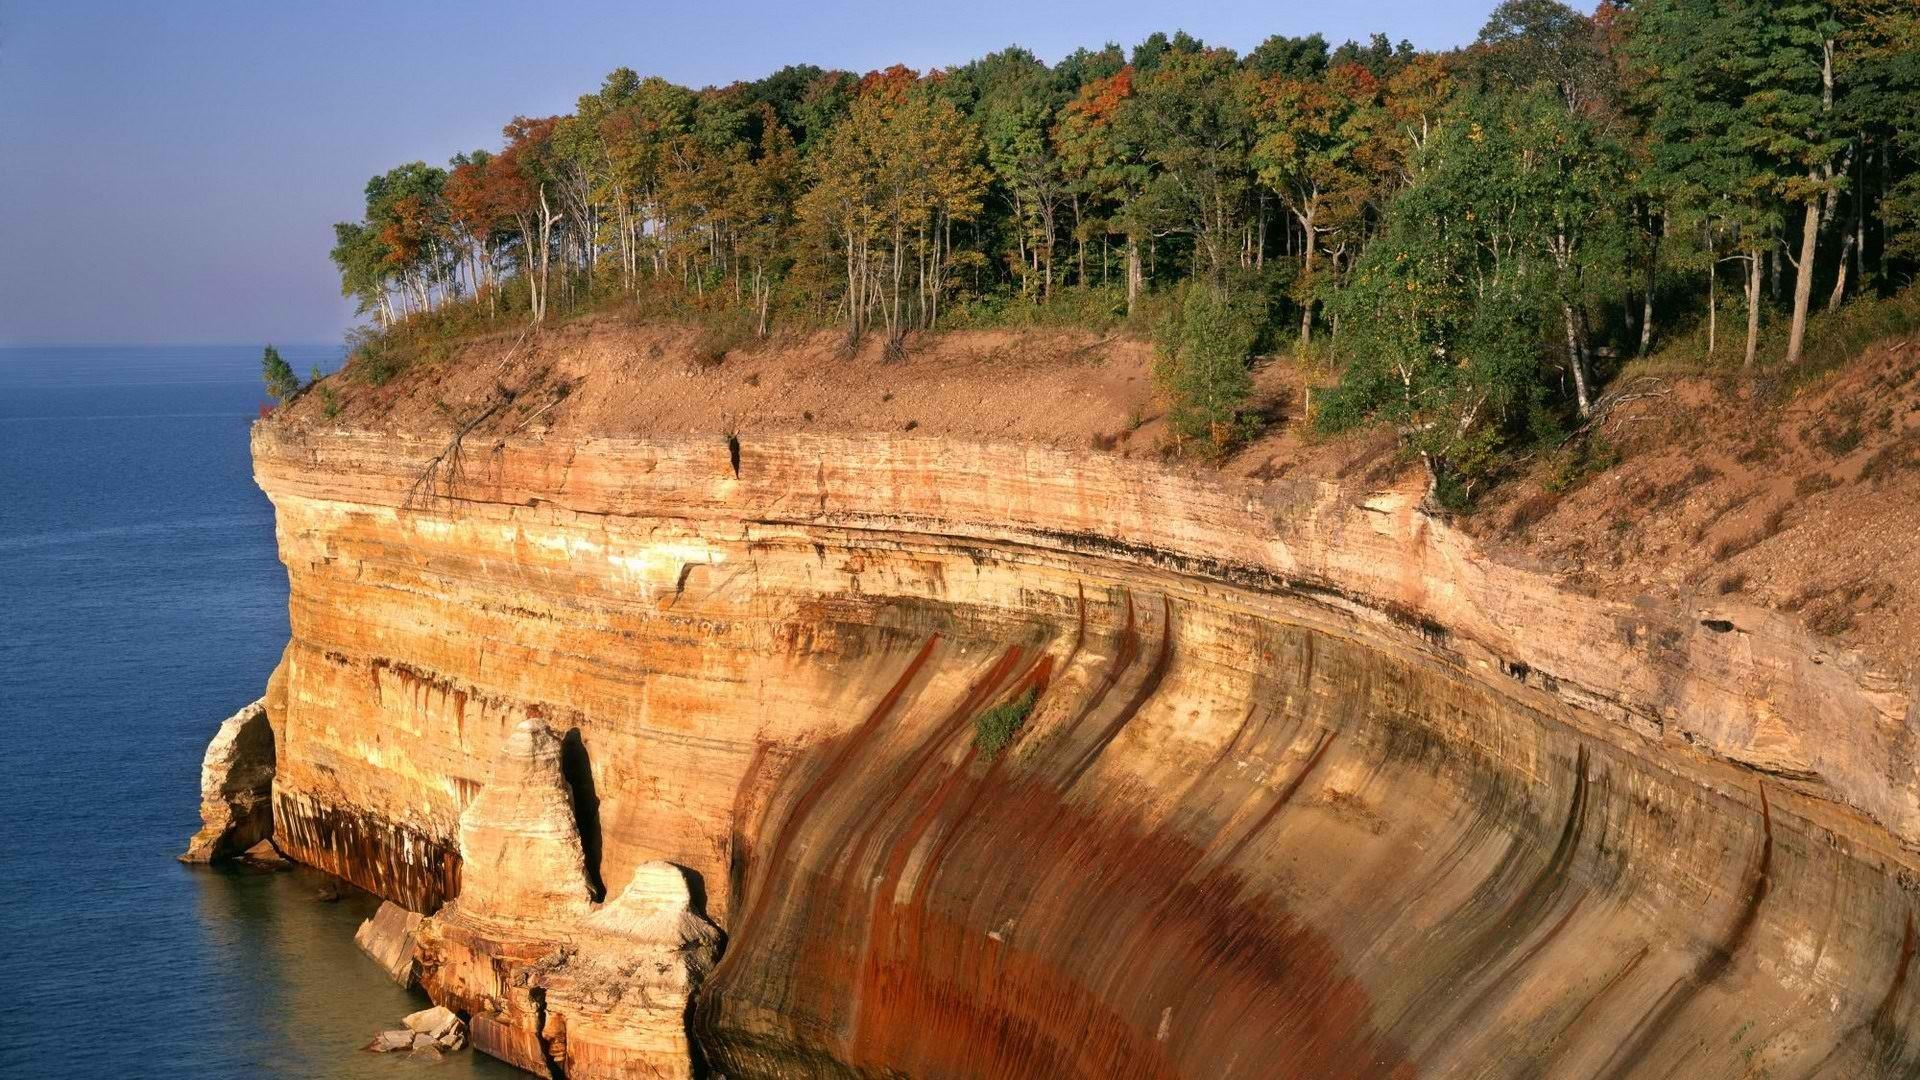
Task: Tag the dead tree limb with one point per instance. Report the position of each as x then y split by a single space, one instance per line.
440 477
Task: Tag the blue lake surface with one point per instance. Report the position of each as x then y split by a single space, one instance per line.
142 602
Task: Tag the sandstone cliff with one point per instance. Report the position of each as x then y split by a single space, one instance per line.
1311 788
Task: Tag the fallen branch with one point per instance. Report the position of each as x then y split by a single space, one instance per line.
1638 390
443 472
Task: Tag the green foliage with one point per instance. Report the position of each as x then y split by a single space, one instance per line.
1579 459
1833 339
1201 364
329 397
1482 226
1093 308
376 360
1191 121
994 729
281 382
1453 310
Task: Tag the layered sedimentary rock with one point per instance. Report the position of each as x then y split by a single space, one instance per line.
236 787
552 981
1310 788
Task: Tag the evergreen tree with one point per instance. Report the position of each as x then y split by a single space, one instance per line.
282 383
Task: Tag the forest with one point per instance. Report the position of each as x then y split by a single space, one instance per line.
1473 242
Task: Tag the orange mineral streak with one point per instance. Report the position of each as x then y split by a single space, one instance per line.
1050 966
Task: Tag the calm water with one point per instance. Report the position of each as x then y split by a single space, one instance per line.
141 602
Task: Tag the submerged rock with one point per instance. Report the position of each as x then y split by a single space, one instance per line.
236 788
388 1042
388 938
264 856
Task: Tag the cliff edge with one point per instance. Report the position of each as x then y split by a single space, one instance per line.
1310 784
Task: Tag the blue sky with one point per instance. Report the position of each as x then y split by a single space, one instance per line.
169 172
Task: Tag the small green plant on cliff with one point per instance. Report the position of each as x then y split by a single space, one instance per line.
329 397
282 383
1202 366
994 729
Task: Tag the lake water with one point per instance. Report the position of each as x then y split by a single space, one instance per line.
141 602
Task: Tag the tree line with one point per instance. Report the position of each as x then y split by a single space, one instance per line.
1482 234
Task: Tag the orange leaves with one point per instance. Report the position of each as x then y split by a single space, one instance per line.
1099 99
891 85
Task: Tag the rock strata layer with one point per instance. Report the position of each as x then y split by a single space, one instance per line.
1309 788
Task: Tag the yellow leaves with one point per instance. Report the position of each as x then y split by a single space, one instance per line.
1476 135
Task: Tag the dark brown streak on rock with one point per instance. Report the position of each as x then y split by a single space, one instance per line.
739 849
1544 1068
1227 749
1878 1038
1035 679
417 871
1888 1037
1711 966
1148 687
1519 920
1480 999
1280 802
803 806
908 776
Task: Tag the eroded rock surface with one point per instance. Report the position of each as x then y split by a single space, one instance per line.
236 787
553 982
1311 788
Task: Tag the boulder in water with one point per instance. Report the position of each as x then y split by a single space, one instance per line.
427 1034
439 1025
388 1042
264 856
236 788
388 938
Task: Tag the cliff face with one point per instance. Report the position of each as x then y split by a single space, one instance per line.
1310 787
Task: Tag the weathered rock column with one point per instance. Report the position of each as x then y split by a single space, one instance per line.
236 788
552 982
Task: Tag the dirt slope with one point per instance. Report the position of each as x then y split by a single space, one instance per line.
1809 506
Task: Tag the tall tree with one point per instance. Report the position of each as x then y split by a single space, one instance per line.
764 190
1192 116
526 171
1015 111
888 184
1311 152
